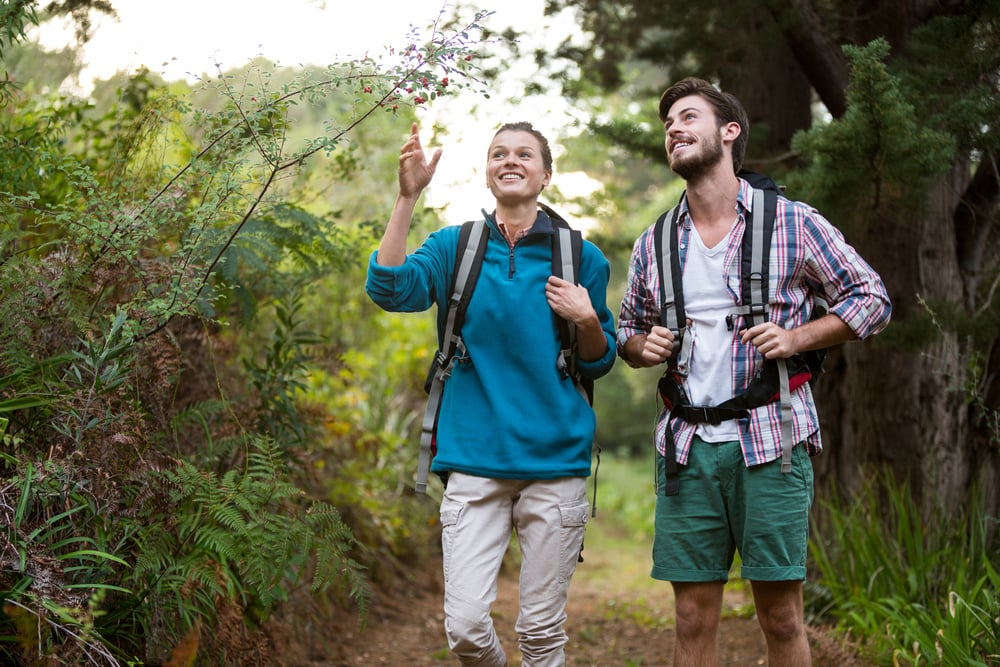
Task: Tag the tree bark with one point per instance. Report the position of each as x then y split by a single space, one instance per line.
906 410
896 408
775 93
818 54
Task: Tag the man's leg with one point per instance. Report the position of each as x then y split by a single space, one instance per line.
549 517
780 612
698 610
772 531
693 547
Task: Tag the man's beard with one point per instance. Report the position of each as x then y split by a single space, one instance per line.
691 167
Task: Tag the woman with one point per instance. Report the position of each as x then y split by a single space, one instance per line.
514 435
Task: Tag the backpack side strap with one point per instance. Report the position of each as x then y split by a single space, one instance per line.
472 240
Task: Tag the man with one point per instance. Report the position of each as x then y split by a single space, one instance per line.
729 491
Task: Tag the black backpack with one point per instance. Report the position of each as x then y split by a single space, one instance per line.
777 377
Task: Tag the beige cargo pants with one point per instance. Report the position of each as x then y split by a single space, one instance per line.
478 515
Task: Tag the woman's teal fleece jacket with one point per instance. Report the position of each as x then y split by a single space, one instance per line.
506 412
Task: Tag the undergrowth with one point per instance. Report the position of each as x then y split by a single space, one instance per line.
912 589
165 474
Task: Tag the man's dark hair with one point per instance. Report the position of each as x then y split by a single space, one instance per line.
727 110
524 126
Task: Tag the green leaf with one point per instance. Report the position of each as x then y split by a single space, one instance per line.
95 555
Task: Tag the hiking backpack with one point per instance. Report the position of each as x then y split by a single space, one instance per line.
777 378
567 245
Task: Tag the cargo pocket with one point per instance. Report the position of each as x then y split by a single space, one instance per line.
450 512
574 520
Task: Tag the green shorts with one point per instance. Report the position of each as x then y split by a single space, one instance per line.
722 507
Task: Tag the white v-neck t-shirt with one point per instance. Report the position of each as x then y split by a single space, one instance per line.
707 301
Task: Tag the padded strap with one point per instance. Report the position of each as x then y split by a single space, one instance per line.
671 291
563 267
471 246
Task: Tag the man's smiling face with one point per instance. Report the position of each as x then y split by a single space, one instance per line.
693 139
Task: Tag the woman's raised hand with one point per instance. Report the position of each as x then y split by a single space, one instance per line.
415 172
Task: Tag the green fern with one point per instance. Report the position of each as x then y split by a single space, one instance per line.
246 536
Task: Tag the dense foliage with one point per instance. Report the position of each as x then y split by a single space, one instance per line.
202 449
191 427
910 593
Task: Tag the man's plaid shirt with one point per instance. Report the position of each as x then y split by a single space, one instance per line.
809 259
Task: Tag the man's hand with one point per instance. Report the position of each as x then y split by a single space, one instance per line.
650 349
773 341
776 342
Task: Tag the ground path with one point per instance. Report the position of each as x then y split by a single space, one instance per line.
618 617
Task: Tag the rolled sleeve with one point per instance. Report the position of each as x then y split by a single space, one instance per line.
596 368
412 286
639 308
396 288
854 291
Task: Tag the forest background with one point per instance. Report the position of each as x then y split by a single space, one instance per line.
208 430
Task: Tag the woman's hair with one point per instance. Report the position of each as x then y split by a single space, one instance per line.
727 110
524 126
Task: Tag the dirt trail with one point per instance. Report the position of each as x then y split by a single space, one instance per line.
626 629
618 617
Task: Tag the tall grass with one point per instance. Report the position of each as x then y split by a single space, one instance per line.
914 590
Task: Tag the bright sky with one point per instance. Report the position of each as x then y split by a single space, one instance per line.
185 38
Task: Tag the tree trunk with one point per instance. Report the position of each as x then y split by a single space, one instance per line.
774 92
920 429
815 50
906 410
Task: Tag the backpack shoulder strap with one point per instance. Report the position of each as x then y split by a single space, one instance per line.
469 252
755 307
668 263
756 254
567 249
667 257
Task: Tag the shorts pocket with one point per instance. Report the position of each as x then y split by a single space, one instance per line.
574 520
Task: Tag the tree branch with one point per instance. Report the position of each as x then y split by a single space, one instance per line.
818 54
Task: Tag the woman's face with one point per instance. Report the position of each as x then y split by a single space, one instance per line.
515 168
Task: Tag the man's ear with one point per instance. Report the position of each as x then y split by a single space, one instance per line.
730 131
